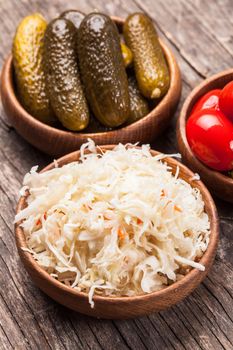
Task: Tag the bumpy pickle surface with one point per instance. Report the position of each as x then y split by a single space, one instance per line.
62 75
102 69
30 77
151 68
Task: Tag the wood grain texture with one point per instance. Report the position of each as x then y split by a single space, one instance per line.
123 307
57 142
204 319
218 183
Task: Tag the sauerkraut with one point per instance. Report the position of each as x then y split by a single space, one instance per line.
115 224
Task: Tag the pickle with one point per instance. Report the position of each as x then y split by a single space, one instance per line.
102 69
138 104
150 66
127 55
62 75
28 50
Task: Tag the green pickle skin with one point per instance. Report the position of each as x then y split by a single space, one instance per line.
27 53
139 106
150 65
102 69
62 75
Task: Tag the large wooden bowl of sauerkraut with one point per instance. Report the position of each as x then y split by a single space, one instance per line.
117 231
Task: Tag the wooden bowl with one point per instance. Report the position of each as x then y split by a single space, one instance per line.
123 307
58 142
218 183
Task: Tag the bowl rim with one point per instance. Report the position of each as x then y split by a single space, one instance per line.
191 275
181 128
175 81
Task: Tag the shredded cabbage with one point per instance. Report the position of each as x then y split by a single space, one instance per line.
115 224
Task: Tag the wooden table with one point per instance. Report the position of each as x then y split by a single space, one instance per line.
201 35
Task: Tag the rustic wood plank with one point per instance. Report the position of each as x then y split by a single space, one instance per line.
73 332
4 340
211 18
202 42
183 28
10 335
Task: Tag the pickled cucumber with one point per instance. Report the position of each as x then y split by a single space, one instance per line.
29 73
102 69
127 55
138 104
149 62
62 75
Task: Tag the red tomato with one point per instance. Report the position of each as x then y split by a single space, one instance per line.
210 136
207 101
226 100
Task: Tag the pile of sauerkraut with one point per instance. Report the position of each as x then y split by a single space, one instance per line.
115 224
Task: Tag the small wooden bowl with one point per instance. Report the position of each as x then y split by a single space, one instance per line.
58 142
218 183
123 307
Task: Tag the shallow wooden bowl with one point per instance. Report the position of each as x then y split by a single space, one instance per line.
218 183
123 307
58 142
